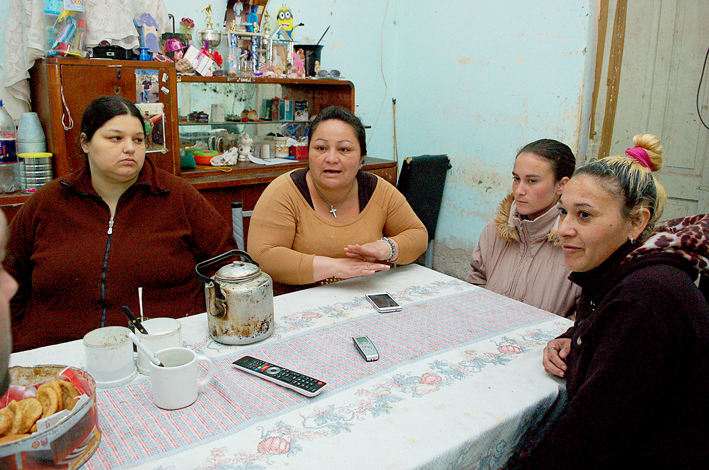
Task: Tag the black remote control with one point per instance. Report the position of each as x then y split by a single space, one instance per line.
300 383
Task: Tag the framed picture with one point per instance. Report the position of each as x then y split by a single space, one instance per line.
279 57
147 88
154 117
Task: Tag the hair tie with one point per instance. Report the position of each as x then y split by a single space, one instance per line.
640 155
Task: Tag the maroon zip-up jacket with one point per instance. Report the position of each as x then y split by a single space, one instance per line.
76 268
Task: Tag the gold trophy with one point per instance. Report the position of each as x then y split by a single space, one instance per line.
209 38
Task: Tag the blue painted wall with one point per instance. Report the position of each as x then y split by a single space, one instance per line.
473 79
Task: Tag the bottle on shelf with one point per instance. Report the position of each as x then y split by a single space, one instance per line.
8 156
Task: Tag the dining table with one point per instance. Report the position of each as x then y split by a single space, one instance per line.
458 382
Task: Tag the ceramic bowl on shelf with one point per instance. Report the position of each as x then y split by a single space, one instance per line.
204 157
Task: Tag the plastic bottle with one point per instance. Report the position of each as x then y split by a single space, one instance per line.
79 48
8 156
8 136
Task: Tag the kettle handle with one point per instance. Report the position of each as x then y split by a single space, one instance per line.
215 260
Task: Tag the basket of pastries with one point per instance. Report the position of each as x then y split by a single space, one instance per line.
48 418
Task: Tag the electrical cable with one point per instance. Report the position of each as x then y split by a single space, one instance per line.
396 146
381 67
699 87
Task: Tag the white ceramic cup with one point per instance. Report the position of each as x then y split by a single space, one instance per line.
109 356
176 384
162 333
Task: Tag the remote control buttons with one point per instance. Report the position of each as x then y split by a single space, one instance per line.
300 383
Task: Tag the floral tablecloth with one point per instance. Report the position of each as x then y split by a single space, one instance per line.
458 381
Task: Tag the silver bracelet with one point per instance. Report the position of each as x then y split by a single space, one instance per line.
392 247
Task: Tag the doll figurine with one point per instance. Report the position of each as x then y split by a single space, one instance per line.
245 148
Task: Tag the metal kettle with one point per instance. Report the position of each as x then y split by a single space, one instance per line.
239 299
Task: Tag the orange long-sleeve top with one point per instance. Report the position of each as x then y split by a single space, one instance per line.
285 232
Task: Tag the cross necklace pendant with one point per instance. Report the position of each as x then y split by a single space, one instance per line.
332 210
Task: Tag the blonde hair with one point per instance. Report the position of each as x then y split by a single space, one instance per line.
632 181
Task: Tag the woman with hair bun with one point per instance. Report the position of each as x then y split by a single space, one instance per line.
636 361
519 254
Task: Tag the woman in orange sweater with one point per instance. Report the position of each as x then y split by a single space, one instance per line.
332 220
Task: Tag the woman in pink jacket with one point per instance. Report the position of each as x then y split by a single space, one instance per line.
519 254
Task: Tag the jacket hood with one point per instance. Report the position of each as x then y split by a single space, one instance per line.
508 222
686 237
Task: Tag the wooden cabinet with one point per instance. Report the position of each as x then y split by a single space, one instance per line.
62 89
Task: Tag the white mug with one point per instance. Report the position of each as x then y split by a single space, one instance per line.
109 356
176 384
163 333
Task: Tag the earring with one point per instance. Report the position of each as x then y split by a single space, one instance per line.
632 241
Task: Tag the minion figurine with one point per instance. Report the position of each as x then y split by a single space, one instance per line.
285 19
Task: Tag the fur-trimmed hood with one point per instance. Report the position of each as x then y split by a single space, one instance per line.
509 223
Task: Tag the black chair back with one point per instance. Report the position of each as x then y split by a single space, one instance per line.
421 181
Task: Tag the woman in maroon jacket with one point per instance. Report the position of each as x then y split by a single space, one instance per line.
83 244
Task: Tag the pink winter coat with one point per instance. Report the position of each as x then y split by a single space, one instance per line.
523 260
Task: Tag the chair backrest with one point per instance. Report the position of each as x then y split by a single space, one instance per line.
421 181
237 224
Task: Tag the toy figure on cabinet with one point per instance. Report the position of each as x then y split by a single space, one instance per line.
245 148
298 70
285 19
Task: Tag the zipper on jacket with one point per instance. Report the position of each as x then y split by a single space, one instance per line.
524 249
103 272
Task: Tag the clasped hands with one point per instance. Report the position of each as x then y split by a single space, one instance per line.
362 260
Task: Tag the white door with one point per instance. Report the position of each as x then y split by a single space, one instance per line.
664 49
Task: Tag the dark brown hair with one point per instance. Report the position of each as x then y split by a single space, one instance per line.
103 109
346 116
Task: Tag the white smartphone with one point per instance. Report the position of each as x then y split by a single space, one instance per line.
383 302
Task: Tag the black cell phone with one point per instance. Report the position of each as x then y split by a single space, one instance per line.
383 302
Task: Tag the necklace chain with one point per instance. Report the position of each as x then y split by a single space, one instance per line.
333 211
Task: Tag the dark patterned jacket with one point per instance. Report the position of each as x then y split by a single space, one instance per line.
638 377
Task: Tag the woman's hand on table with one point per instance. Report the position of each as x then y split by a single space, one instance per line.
373 251
555 354
344 268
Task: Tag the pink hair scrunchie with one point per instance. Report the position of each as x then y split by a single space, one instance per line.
640 155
